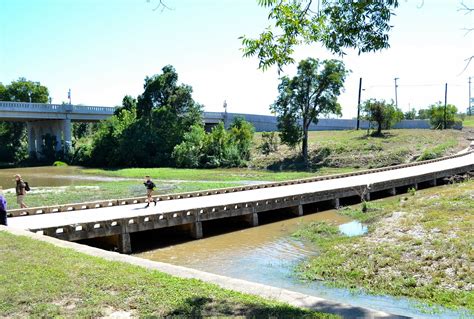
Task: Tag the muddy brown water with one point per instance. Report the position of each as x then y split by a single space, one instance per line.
50 176
269 254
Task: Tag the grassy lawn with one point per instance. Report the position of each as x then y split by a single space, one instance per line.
468 121
418 246
354 149
71 284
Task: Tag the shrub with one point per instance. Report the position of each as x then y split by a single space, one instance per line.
269 143
59 163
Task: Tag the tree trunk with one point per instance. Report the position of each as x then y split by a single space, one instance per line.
305 145
379 129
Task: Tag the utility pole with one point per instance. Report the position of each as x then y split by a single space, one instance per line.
396 92
445 103
69 96
358 104
470 99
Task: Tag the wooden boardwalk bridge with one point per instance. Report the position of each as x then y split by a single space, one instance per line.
119 218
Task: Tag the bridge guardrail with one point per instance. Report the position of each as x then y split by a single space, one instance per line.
165 197
45 107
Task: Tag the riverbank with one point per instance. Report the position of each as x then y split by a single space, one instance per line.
72 284
357 150
419 245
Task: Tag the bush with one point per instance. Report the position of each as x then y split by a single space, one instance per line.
436 113
59 163
269 143
219 148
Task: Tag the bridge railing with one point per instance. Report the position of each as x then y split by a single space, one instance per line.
55 108
166 197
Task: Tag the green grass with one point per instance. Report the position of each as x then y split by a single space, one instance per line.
419 246
354 149
468 121
70 284
49 196
231 174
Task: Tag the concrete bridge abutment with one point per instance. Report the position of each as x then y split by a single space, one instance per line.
124 243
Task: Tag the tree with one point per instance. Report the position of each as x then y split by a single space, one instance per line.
410 115
437 115
309 94
383 113
151 127
13 134
337 25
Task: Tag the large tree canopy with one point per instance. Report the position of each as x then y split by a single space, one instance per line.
13 134
151 126
337 25
309 94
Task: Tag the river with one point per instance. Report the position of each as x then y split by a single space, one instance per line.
268 254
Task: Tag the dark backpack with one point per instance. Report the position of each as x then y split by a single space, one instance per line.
27 187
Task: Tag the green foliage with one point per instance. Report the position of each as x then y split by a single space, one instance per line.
188 153
59 163
269 143
151 127
412 191
311 93
410 115
361 25
436 115
13 138
384 114
219 148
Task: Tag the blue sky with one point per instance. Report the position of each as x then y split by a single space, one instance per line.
103 50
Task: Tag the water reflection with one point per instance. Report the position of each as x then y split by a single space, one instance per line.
353 228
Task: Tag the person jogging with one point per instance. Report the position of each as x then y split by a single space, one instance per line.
149 190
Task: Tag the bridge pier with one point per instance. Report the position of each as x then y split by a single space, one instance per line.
59 129
124 243
297 210
336 203
252 219
196 230
434 182
392 191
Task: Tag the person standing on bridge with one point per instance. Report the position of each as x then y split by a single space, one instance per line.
150 186
3 209
20 191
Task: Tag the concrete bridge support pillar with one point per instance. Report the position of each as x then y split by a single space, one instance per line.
67 131
196 230
336 203
392 191
415 186
434 182
367 197
297 210
252 219
31 138
124 243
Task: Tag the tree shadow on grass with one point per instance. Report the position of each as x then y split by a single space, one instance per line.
204 307
318 158
383 135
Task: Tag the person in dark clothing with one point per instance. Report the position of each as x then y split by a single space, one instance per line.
20 191
149 190
3 209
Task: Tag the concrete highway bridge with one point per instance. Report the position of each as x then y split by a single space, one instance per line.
117 219
55 120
